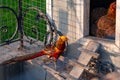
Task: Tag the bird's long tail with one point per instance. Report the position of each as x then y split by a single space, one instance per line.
25 57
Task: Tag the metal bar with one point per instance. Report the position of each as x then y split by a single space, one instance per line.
15 40
20 22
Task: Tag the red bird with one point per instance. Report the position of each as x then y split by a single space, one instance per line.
52 51
106 24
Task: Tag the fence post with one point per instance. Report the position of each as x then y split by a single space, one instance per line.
20 26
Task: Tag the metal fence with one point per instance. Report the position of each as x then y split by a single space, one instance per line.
8 20
38 20
19 18
34 24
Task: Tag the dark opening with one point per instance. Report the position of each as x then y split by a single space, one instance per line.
99 8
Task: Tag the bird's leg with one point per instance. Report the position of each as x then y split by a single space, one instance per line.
55 64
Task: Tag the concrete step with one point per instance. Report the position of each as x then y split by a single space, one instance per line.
85 57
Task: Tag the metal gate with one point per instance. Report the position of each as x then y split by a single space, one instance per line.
34 24
19 19
26 21
8 21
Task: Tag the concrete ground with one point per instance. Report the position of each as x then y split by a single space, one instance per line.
37 69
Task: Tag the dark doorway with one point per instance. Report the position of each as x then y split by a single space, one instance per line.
98 8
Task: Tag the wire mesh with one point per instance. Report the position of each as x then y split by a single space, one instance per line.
8 20
67 14
34 25
64 15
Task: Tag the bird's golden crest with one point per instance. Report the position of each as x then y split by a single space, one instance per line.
63 38
60 43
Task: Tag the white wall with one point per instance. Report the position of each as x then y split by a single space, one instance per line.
117 40
72 18
70 15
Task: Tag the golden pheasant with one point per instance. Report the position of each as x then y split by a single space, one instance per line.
52 51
